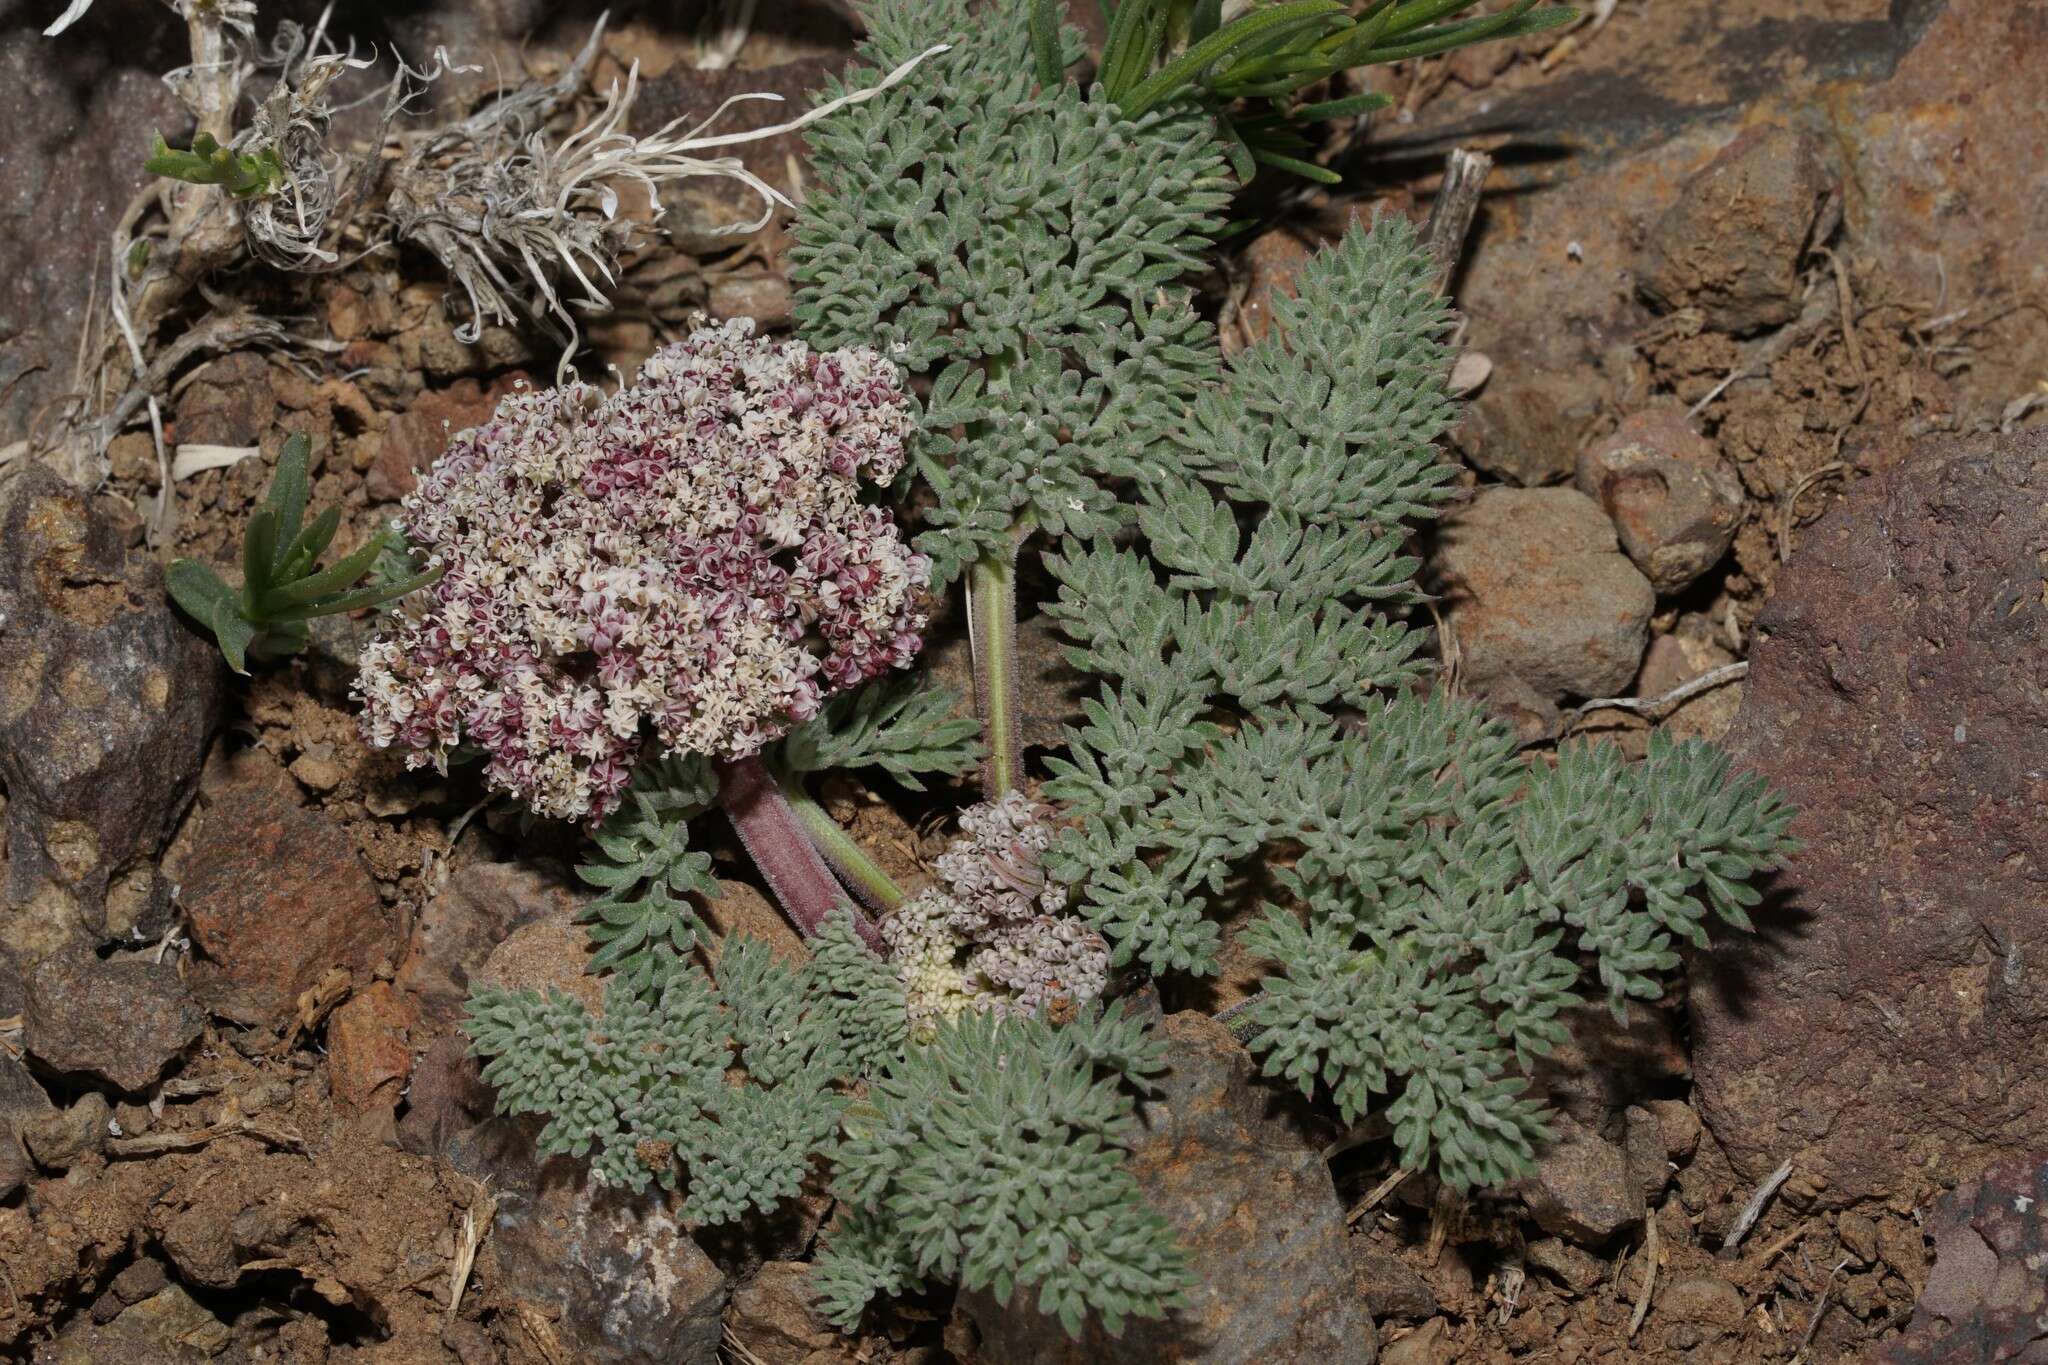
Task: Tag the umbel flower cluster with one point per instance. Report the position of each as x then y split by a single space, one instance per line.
994 938
689 555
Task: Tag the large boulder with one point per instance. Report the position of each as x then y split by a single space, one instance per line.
1885 1028
107 699
1250 1200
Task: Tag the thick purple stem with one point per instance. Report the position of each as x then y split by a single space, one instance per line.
790 862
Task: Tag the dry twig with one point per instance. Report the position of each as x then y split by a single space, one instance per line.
474 1227
1819 1311
1378 1193
1788 507
1656 706
1755 1206
1652 1250
157 1144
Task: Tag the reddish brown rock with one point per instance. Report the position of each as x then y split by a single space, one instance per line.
275 893
448 1096
1945 155
1987 1297
118 1021
416 437
369 1053
229 403
482 904
1674 501
1885 1029
1732 245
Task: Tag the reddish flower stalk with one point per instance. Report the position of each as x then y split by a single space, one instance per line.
802 882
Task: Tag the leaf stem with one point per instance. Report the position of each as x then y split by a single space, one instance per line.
876 888
789 861
992 637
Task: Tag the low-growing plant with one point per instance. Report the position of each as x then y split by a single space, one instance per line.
684 596
283 585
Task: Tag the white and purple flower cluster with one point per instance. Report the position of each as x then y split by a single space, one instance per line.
687 558
995 937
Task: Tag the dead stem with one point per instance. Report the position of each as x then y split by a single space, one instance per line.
1652 1251
1755 1206
1656 706
157 1144
1378 1193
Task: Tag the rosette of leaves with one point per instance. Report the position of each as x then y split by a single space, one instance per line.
283 586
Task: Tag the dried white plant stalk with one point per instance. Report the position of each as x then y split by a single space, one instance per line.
520 217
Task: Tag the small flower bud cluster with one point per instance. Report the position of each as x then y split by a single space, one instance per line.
687 558
994 938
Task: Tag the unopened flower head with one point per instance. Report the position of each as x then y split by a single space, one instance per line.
687 559
995 937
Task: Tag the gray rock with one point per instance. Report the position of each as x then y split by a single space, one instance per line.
1582 1190
22 1100
1537 588
14 1168
1524 427
1643 1144
120 1022
1675 503
334 646
630 1286
107 699
1731 246
75 104
1680 1125
63 1138
1250 1200
1392 1288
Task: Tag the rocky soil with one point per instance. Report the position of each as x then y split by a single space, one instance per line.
1758 288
